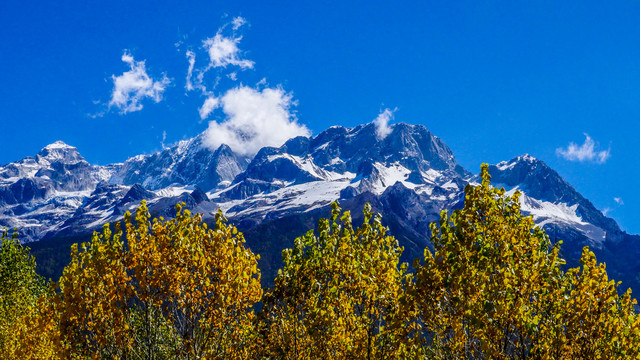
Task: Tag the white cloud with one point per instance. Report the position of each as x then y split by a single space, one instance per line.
238 22
224 51
618 200
130 88
210 104
382 123
191 57
254 119
585 152
164 138
606 211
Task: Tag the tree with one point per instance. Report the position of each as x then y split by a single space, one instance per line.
22 294
336 293
595 323
494 288
153 289
159 289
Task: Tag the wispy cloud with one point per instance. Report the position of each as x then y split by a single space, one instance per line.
223 52
618 201
210 104
191 57
133 86
164 138
238 22
586 152
382 123
254 119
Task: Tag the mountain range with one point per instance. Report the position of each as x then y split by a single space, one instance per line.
56 197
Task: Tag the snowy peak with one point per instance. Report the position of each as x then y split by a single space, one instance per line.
550 199
51 157
409 153
59 152
189 162
522 160
57 167
59 145
539 180
413 146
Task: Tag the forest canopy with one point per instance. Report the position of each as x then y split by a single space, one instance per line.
492 287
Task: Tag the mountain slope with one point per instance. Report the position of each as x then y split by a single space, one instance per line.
409 176
187 163
39 193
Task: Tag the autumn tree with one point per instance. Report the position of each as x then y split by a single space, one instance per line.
23 293
594 322
159 289
334 297
494 288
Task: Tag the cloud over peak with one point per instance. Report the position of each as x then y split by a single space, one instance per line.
382 123
586 152
254 119
133 86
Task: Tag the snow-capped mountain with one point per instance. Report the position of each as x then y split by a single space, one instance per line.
58 191
553 203
309 173
568 216
187 163
409 176
37 194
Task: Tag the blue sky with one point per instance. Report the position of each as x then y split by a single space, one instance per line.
493 81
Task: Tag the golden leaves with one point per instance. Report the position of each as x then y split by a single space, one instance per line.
493 287
179 281
336 293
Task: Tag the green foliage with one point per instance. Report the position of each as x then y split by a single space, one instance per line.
20 291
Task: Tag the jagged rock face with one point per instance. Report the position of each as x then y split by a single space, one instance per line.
355 153
24 190
40 193
189 162
136 194
540 181
58 167
340 149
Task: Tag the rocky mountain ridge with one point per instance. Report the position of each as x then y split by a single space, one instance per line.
409 176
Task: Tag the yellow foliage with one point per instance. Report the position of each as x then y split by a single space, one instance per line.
336 293
494 289
172 288
26 329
